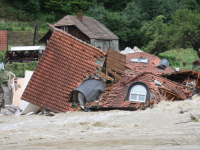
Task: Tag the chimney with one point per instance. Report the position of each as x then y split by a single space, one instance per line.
80 15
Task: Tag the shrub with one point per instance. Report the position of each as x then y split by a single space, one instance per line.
4 75
171 58
19 68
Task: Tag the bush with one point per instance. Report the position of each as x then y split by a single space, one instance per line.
4 75
19 68
171 58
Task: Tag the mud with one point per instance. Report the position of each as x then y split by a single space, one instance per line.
162 127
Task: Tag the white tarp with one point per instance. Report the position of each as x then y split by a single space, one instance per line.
27 48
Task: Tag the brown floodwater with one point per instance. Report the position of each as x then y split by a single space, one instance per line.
162 127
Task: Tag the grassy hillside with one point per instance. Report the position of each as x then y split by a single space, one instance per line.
183 55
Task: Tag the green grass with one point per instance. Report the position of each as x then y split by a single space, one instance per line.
184 55
9 47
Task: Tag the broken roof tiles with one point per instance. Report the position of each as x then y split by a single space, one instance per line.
3 40
65 62
146 67
115 96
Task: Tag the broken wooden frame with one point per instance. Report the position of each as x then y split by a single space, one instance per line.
115 64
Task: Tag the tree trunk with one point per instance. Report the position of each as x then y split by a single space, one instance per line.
197 49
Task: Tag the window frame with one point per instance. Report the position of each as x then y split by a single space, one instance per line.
138 94
148 92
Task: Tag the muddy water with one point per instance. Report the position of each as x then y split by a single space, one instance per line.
162 127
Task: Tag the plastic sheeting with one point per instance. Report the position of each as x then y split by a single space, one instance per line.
1 66
91 89
163 64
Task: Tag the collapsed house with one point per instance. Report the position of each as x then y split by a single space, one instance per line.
73 75
143 84
65 63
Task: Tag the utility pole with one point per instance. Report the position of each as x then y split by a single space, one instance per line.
36 33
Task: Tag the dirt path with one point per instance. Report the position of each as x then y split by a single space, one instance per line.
150 129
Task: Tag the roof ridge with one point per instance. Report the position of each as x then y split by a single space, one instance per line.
62 31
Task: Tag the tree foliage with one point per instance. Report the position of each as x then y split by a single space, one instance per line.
155 25
182 32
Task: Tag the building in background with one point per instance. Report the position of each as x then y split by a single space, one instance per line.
88 30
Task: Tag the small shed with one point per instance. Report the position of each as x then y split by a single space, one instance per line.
88 30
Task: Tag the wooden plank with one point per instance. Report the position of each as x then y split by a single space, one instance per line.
116 53
117 58
114 74
116 64
116 70
172 99
120 67
113 60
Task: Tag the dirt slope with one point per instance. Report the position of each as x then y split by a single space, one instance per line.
22 38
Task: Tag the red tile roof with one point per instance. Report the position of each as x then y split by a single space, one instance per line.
3 40
65 62
115 96
143 67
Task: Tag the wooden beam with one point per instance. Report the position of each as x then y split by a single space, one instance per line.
114 74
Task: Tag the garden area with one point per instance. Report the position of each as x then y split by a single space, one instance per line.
17 68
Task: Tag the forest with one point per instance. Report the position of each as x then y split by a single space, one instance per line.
155 26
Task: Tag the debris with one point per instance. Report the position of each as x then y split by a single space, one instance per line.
194 119
15 110
30 113
120 95
128 50
157 82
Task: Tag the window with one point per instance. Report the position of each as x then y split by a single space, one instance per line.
140 60
138 93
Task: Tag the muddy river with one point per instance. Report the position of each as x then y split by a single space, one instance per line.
166 126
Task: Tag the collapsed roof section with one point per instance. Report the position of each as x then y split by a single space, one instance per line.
123 96
88 91
65 62
146 63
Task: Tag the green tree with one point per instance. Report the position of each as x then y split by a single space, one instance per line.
2 55
185 28
182 32
156 31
